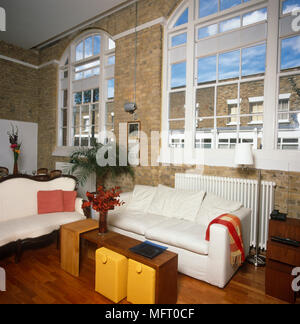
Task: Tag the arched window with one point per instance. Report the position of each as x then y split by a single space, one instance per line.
231 75
86 95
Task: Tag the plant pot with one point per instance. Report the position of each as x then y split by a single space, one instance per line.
103 223
16 171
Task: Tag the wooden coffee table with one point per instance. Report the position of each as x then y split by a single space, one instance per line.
165 265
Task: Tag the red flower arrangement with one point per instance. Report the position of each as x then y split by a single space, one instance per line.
102 201
15 146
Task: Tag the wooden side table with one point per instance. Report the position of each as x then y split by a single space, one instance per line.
282 259
70 244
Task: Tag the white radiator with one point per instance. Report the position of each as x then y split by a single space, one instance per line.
242 190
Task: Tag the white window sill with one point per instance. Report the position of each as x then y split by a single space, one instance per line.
232 124
283 121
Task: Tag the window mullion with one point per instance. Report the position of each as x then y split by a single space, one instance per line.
269 135
190 113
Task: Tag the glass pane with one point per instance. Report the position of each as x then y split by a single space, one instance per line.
290 53
252 97
289 133
183 19
229 65
254 60
65 98
111 60
207 7
95 115
95 95
94 135
230 24
64 117
177 105
227 101
111 89
255 16
176 134
111 44
88 47
226 4
88 74
179 39
289 5
207 69
97 45
79 76
85 118
64 136
289 94
205 102
207 31
87 66
79 52
78 98
226 134
76 117
250 132
87 96
178 75
204 134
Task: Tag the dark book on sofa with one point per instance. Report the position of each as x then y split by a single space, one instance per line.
148 250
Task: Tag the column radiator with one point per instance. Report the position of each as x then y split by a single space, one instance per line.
242 190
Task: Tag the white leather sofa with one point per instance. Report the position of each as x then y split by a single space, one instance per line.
179 220
19 219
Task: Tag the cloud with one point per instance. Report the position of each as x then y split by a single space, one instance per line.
230 24
254 17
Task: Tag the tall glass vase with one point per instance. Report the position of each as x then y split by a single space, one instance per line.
102 223
16 170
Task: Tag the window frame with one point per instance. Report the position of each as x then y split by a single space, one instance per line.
269 156
89 83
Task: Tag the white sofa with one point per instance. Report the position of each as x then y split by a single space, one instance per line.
19 219
179 220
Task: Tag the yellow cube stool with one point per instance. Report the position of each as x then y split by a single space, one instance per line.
111 274
141 283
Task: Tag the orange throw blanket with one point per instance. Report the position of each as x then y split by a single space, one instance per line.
233 224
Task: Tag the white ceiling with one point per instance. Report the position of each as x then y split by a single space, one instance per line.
32 22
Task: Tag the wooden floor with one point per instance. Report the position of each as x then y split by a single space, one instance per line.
38 279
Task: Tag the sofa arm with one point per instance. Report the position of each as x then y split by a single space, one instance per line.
219 266
78 207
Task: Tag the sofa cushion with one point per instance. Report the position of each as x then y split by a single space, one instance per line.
69 198
134 221
141 198
35 226
181 234
50 202
174 203
214 206
18 197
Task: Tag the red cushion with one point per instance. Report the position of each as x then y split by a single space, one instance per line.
50 202
69 201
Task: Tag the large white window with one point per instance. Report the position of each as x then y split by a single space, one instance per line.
86 90
220 63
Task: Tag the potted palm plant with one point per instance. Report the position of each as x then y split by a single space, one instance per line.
84 163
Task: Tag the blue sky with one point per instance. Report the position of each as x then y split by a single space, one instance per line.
290 52
183 19
253 62
178 75
289 5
